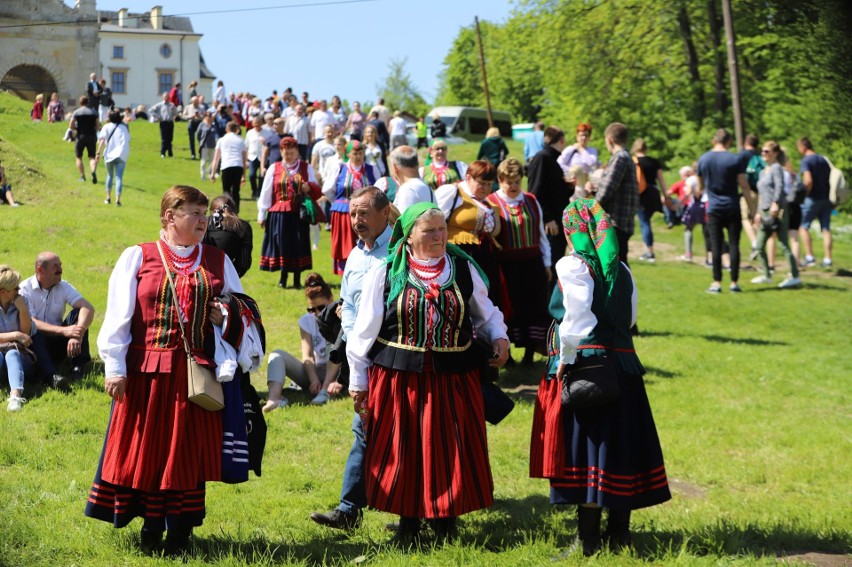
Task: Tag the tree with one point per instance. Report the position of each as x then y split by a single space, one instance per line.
399 90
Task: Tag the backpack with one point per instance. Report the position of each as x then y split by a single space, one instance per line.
838 189
640 176
753 169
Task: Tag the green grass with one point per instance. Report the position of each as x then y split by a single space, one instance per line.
751 394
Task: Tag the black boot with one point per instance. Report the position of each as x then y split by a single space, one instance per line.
445 529
588 530
617 533
297 276
528 356
408 533
150 540
177 541
282 281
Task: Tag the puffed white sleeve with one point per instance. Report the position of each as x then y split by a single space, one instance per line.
578 286
232 281
368 323
312 177
114 338
462 167
445 196
264 201
543 242
486 317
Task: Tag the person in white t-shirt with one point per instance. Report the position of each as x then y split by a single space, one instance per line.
405 171
232 155
314 372
320 119
114 147
255 142
298 126
397 130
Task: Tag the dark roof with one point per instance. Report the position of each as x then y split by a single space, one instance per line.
204 71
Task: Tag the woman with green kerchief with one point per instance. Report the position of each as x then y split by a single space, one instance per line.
415 377
606 456
353 175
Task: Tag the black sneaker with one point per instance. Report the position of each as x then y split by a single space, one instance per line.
94 178
337 519
62 383
76 373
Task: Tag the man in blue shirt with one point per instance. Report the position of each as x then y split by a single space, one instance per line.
534 142
369 210
815 173
721 174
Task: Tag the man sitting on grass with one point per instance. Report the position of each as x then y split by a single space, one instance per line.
58 336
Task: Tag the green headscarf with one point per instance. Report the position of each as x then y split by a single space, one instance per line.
398 251
593 237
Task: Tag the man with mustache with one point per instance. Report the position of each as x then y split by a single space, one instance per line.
369 211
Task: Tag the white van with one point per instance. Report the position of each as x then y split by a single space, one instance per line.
469 122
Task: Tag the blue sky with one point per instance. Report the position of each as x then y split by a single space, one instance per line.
325 49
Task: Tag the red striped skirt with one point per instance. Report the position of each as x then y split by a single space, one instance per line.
427 451
342 240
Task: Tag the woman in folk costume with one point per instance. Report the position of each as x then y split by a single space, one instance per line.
524 259
438 170
415 377
353 175
607 456
286 240
160 449
473 223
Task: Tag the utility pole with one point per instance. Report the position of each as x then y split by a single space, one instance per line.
484 74
733 70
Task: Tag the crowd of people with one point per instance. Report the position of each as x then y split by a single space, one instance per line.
444 265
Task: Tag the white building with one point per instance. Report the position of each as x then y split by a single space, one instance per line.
144 55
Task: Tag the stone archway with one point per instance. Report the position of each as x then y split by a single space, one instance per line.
26 81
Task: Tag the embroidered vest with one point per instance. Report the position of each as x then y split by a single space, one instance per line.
610 336
284 198
344 186
451 175
156 339
519 224
406 335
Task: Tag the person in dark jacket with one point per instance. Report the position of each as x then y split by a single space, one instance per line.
547 183
229 233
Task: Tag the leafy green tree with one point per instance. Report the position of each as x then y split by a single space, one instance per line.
399 90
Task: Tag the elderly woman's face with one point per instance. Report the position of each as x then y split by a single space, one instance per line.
439 152
291 155
186 225
428 238
511 187
479 188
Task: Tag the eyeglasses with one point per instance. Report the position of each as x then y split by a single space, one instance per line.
764 151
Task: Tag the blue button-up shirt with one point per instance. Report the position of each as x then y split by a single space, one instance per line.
360 262
533 144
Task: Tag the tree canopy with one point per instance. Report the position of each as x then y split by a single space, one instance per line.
660 66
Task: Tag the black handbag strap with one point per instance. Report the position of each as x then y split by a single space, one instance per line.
175 298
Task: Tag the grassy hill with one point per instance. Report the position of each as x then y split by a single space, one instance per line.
751 395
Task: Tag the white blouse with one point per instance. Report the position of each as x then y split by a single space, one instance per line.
264 201
543 242
578 286
114 338
486 318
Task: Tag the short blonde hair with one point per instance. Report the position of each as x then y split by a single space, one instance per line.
492 132
9 278
510 169
578 174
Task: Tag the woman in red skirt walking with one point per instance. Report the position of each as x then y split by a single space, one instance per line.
159 448
415 377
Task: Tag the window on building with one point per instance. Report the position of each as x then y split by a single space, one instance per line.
165 82
166 50
118 52
119 82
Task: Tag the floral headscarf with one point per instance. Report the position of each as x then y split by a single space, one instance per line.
398 251
592 235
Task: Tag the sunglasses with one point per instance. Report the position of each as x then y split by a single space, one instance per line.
316 309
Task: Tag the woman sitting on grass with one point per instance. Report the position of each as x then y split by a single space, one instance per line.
314 364
607 456
16 328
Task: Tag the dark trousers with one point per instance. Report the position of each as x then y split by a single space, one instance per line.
53 349
353 493
716 223
623 240
192 128
557 251
167 134
231 177
303 152
254 171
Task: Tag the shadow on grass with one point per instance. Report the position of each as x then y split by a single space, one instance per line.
727 539
654 371
742 340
